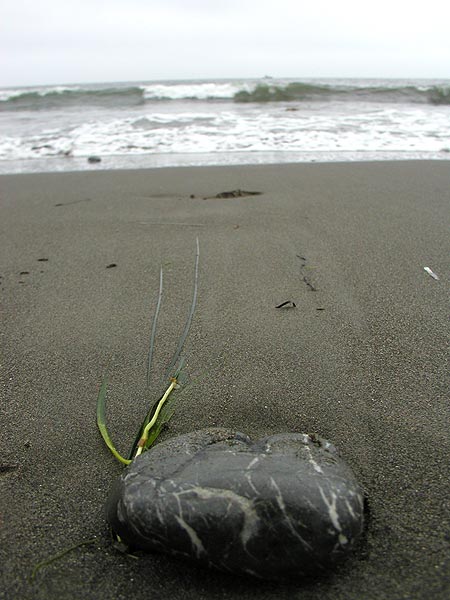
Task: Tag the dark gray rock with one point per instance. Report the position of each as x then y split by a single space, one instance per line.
283 507
94 159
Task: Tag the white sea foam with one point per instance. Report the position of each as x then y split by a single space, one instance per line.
199 91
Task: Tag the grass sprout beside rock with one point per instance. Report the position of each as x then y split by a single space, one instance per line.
161 410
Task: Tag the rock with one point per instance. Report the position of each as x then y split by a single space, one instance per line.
283 507
94 159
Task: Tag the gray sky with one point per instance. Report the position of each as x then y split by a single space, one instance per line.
65 41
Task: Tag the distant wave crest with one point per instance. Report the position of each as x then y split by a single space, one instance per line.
275 93
119 96
439 95
298 91
53 98
123 96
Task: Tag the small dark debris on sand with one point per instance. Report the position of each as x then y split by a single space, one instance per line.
111 266
73 202
286 304
42 259
306 279
94 159
5 469
234 194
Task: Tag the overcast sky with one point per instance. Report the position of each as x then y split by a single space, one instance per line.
65 41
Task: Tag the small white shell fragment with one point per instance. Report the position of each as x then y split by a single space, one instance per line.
430 272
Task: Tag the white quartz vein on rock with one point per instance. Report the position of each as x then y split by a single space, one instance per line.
287 518
316 466
331 505
252 463
195 540
251 519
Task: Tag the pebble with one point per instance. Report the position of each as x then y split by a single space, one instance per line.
281 508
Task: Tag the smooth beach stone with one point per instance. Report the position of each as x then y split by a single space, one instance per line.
283 507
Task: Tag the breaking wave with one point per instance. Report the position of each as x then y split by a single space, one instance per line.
48 98
60 97
298 91
123 95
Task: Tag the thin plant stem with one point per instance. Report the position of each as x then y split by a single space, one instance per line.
176 357
55 557
153 333
190 316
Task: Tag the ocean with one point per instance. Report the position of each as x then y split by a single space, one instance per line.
222 122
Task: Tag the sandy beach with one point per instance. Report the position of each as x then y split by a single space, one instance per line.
361 359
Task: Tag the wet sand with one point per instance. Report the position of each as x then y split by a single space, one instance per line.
360 360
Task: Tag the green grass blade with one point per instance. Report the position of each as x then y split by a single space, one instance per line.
149 365
168 410
101 422
182 380
187 327
60 555
173 371
153 333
